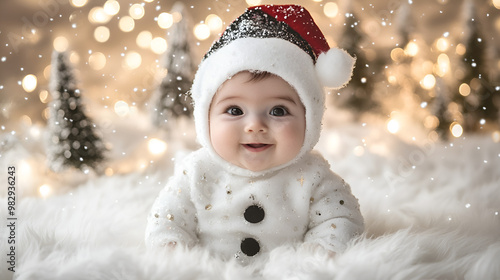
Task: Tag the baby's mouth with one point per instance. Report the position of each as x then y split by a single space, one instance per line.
256 147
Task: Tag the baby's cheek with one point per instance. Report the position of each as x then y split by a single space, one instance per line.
222 137
293 138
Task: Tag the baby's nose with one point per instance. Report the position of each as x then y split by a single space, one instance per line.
256 124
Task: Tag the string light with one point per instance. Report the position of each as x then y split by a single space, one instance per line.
126 24
29 83
496 136
411 49
460 49
158 45
101 34
496 3
443 65
132 60
136 11
45 190
97 61
60 44
253 2
111 7
464 89
144 39
98 15
44 96
442 44
157 146
393 126
397 54
331 9
121 108
165 20
202 31
78 3
214 22
456 129
428 82
109 171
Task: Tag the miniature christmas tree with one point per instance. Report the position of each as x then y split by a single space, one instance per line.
171 98
404 24
73 141
358 93
478 99
440 110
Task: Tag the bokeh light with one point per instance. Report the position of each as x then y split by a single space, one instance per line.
464 89
121 108
97 15
201 31
132 60
393 126
158 45
214 22
44 96
442 44
157 146
45 190
29 83
460 49
428 82
78 3
397 54
443 65
126 24
456 129
253 2
111 7
331 9
136 11
165 20
101 34
60 44
97 61
144 39
411 49
496 3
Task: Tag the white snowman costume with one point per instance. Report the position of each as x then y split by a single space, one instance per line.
238 213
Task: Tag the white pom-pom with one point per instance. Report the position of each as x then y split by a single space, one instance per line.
334 68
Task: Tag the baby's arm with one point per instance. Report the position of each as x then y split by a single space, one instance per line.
172 219
335 217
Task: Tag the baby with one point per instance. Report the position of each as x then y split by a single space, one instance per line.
256 183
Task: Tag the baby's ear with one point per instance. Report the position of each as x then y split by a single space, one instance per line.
334 68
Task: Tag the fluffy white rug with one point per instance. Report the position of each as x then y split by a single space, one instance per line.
431 211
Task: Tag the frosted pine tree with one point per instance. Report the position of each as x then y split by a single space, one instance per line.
439 108
405 24
475 94
357 95
73 141
171 99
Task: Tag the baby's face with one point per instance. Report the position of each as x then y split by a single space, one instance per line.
257 125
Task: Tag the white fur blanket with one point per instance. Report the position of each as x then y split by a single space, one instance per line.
431 212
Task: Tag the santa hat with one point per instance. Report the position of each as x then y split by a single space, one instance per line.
280 39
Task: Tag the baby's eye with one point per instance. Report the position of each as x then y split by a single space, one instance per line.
278 111
234 111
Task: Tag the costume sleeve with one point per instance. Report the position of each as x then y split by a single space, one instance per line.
173 216
335 217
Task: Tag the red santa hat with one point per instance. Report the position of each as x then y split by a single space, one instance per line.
280 39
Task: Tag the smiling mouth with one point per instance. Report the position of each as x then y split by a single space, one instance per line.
256 147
